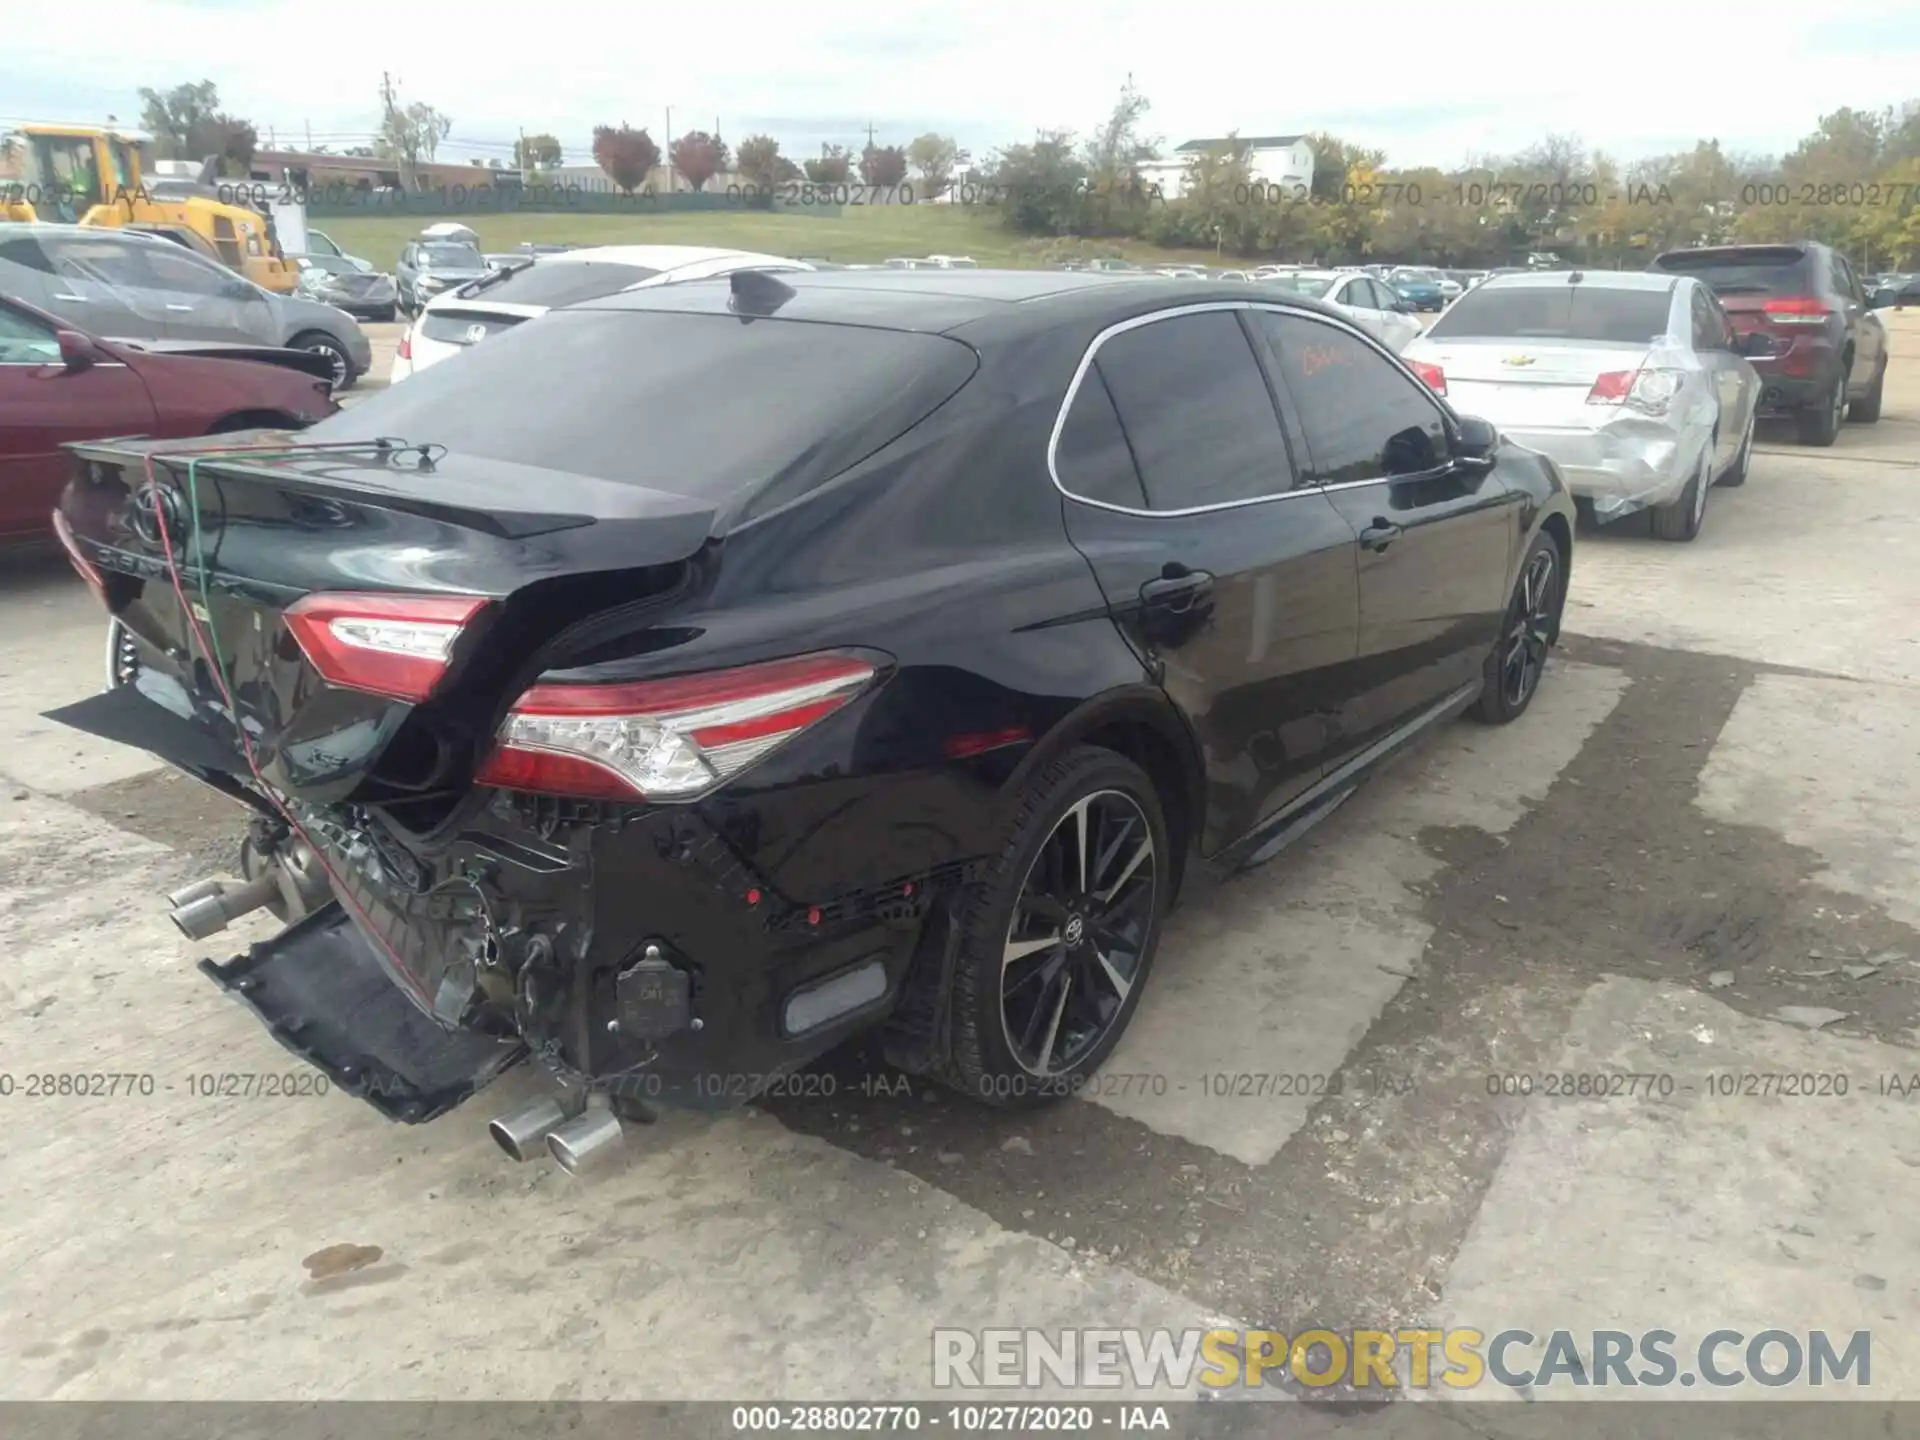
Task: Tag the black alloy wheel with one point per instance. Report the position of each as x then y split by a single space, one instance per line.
1058 938
1519 657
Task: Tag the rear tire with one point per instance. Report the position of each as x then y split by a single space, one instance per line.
1681 520
1049 969
1866 410
1513 669
1819 423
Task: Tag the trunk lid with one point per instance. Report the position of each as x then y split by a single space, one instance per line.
541 547
1527 382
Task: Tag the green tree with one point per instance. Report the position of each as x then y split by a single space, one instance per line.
537 152
934 159
1041 186
833 166
759 160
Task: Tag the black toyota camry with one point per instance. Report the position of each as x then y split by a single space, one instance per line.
692 679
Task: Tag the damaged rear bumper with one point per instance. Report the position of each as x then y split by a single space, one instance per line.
1624 466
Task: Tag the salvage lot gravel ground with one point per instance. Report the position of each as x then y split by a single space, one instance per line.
1709 822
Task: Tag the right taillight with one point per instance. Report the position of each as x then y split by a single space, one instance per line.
1795 310
668 739
1650 391
1434 377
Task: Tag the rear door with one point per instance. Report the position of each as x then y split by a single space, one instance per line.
93 286
1864 328
1232 580
1726 371
1355 296
1436 539
43 405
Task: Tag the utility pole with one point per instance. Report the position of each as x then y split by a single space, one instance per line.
667 149
309 125
870 135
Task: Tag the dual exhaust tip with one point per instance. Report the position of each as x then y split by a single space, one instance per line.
574 1138
207 907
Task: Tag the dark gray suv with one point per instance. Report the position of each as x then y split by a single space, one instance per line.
128 286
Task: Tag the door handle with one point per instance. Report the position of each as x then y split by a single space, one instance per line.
1379 535
184 309
74 299
1177 594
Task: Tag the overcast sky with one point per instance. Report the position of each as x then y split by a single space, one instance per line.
1441 78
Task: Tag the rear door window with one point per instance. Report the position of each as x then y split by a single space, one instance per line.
1196 411
690 404
1588 312
1091 459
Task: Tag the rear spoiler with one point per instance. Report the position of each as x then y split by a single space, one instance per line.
305 361
622 526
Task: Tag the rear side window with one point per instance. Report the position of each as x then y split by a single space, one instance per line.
694 405
1364 419
1092 459
1557 312
1757 270
1196 411
565 283
25 250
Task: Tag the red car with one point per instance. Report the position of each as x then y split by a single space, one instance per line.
57 385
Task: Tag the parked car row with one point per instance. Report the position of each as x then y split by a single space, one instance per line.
1644 386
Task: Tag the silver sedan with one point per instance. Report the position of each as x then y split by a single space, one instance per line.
1633 383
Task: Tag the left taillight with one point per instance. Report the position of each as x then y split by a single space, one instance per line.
87 571
1434 377
405 349
672 739
398 646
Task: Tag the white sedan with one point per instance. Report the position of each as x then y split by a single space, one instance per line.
1369 303
459 318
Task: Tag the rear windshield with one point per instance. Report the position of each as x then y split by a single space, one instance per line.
452 257
1312 286
695 405
565 283
1758 271
1556 312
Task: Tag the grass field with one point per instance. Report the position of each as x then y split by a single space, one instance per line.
857 234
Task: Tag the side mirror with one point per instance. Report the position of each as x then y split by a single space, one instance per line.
1755 343
77 352
1475 439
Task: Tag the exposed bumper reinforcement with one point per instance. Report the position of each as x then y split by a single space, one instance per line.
322 993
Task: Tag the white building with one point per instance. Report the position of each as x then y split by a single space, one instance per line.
1280 160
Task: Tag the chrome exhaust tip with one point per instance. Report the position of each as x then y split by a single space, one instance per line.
198 890
212 907
523 1133
584 1139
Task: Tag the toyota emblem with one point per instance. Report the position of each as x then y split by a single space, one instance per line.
150 504
476 333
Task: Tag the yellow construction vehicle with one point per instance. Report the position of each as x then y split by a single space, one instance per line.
91 175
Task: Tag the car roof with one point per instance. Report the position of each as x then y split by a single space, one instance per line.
1603 279
940 301
657 257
